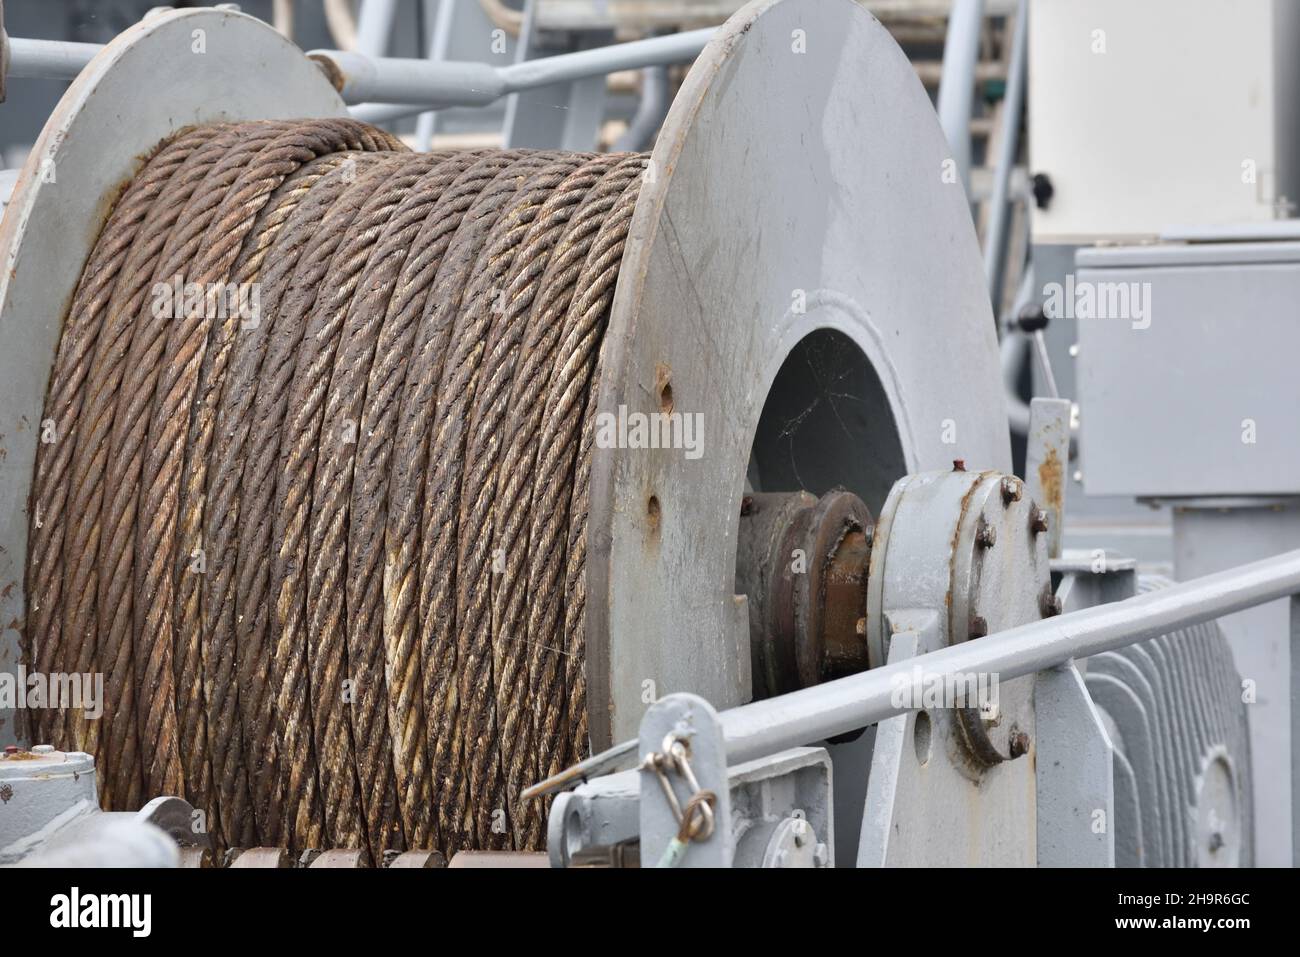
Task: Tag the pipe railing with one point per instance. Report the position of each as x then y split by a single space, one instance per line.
826 710
995 244
957 83
847 704
426 84
392 87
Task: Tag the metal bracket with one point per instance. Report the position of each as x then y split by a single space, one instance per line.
691 719
1075 774
886 763
775 811
1047 456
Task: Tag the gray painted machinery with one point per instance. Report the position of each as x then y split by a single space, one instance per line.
635 508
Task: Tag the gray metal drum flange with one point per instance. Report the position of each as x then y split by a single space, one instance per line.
173 69
796 193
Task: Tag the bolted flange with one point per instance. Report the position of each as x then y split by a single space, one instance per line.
965 544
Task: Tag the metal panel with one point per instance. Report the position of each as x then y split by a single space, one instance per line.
1217 536
1091 521
1074 777
1191 390
1137 133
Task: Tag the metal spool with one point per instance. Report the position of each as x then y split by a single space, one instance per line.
1173 707
824 313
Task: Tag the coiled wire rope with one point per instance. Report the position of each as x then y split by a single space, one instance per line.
328 552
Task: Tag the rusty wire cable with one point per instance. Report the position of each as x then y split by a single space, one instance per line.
330 555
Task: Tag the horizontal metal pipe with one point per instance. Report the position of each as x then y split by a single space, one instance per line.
846 704
836 707
599 61
437 84
432 84
49 59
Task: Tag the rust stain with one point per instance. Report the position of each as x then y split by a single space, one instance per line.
653 517
663 387
1051 478
953 546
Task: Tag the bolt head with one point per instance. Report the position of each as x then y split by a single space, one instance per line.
1049 604
1011 490
1038 520
1018 743
979 627
987 536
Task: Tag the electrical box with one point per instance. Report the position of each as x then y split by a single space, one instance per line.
1151 114
1186 368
